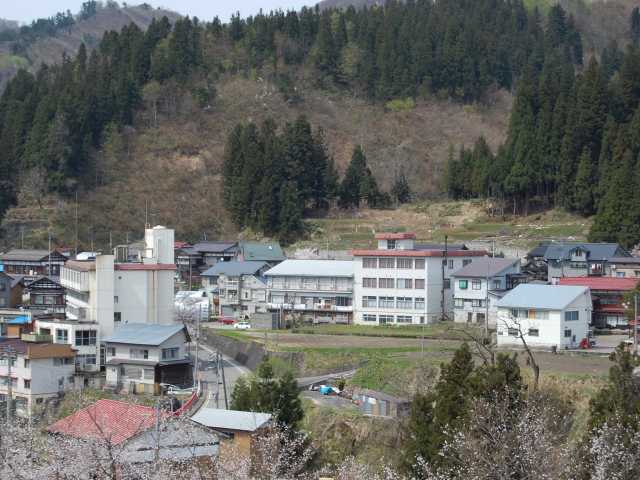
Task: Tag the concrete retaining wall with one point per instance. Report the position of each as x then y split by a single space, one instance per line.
248 353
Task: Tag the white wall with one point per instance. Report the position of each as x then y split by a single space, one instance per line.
551 330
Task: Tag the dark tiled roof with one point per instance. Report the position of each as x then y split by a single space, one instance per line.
562 250
234 269
485 266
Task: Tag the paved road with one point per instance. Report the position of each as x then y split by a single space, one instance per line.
213 388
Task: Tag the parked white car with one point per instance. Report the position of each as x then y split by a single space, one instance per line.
242 325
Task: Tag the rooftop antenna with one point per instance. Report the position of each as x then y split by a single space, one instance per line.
146 214
76 224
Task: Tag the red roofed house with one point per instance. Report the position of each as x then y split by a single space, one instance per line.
607 294
131 428
403 282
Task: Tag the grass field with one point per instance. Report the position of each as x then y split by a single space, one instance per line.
432 221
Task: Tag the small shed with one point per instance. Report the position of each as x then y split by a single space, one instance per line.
379 404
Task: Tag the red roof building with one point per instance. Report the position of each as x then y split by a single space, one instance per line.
607 294
107 420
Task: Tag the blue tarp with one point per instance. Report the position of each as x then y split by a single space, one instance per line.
22 320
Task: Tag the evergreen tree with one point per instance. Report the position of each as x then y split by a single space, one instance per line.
290 221
351 187
635 26
400 190
583 197
287 403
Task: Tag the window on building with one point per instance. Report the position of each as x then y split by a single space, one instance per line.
533 332
386 283
497 284
463 284
62 335
111 351
115 299
477 303
513 332
404 319
466 262
405 283
418 264
170 353
85 337
369 263
369 302
370 282
26 363
391 244
139 353
405 263
571 316
344 301
384 319
450 264
419 283
387 262
85 360
567 333
637 273
404 303
620 274
458 302
419 303
117 317
386 302
447 283
476 284
369 318
26 383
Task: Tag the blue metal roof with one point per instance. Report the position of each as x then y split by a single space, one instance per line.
233 269
22 320
145 334
547 297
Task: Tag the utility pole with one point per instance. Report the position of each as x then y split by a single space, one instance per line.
49 266
195 373
444 264
76 224
486 304
224 386
157 446
635 323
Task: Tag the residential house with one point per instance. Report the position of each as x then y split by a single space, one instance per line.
607 294
571 259
44 296
141 357
19 325
624 267
39 371
192 260
479 285
131 432
241 429
401 283
32 262
270 252
10 290
242 288
319 291
110 290
546 315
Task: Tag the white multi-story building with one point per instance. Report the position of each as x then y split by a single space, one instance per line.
405 283
478 286
545 315
39 371
111 290
320 291
242 289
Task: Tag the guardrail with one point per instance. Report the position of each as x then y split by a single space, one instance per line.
186 406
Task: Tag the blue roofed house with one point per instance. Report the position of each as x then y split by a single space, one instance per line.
140 357
572 259
241 288
545 315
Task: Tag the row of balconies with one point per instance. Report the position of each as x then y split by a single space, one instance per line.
310 308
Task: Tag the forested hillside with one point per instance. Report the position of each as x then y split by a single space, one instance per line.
573 142
46 40
64 130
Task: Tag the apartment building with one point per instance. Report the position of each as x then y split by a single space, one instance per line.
478 286
37 369
318 291
110 290
242 289
402 282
